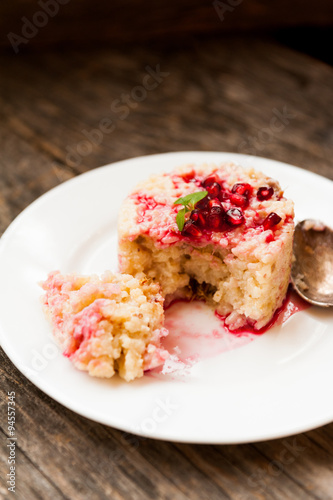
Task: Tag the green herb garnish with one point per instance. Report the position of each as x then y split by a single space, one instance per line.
189 201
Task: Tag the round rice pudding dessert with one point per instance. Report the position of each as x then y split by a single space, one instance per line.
108 324
215 232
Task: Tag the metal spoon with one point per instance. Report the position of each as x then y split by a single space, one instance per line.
312 268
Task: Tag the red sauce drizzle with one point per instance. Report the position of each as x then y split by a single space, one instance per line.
191 341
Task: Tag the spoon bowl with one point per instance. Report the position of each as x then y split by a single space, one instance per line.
312 267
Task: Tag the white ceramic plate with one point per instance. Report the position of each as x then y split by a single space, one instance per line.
276 385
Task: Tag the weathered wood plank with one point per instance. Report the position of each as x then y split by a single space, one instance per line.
58 103
30 482
83 458
219 95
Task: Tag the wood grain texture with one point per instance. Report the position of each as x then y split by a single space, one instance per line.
219 95
80 22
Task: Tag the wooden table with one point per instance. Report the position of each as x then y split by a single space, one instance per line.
213 95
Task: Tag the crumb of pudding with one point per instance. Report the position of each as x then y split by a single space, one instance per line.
234 249
109 324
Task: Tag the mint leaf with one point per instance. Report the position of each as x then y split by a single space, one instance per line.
180 219
191 199
189 202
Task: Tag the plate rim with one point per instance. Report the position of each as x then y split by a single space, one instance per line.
45 386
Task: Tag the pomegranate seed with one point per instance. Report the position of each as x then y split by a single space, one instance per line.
215 221
224 196
215 217
194 215
213 203
213 189
271 220
234 217
265 193
190 229
199 217
217 211
211 179
240 188
202 204
239 199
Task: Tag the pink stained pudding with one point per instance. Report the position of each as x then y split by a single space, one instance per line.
109 324
233 247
